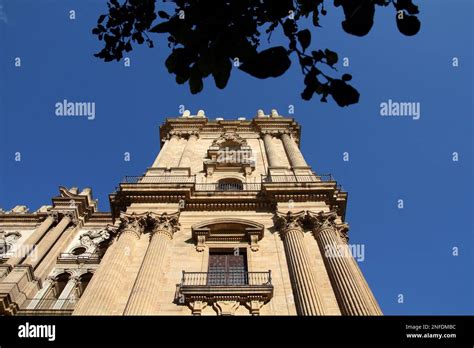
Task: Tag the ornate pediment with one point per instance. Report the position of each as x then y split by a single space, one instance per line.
229 139
229 152
222 231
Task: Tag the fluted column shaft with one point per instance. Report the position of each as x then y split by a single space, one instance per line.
33 240
47 242
143 299
272 156
104 287
294 154
307 298
352 291
185 160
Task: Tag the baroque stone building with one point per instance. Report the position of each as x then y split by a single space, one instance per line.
229 220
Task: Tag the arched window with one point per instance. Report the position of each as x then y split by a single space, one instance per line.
230 184
60 284
84 282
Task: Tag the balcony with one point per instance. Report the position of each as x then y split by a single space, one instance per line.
239 286
201 186
228 187
162 179
303 179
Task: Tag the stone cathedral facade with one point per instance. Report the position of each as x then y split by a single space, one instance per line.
229 220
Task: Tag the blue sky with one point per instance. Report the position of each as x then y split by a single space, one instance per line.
408 251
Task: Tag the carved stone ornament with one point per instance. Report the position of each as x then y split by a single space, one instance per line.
289 221
229 137
327 220
7 240
91 239
165 223
133 222
155 223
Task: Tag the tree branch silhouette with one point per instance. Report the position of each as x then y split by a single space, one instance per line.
206 36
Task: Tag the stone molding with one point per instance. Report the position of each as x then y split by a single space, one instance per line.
237 231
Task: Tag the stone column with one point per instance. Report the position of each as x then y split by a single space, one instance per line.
272 156
186 158
307 298
33 239
165 158
104 287
352 291
144 299
294 154
66 293
43 247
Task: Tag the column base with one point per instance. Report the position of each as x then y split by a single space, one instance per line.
11 289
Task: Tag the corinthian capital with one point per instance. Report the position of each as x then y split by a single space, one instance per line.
165 223
289 221
133 222
327 220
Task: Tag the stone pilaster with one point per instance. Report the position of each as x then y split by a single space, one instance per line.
165 158
104 288
272 156
43 247
352 291
293 152
33 239
307 298
143 299
187 156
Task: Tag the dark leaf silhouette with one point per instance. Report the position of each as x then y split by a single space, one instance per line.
408 25
221 72
272 62
359 16
346 77
304 37
342 93
331 57
206 36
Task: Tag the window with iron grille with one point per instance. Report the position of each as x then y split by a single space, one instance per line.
227 267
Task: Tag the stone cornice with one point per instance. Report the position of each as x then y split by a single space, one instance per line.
264 200
185 125
23 219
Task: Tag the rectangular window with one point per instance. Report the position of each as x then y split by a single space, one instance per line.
227 267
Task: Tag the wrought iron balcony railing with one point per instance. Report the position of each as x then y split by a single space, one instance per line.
228 186
304 179
296 178
163 179
226 279
201 186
